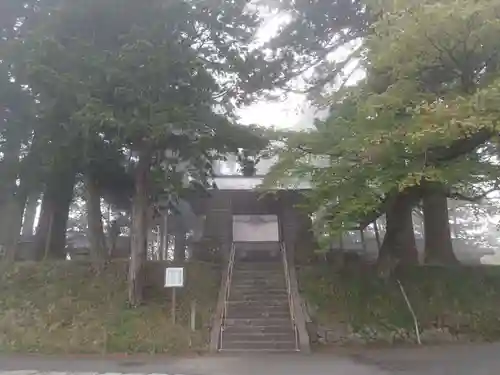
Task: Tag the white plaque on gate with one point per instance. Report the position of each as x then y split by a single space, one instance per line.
174 277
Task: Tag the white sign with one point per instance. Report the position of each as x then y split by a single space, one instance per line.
174 277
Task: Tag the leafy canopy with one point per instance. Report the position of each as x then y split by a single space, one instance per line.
121 79
430 99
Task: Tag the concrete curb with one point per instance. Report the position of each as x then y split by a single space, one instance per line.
300 316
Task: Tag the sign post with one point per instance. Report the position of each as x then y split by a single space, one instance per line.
193 315
174 278
174 306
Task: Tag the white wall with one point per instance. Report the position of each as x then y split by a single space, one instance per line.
255 228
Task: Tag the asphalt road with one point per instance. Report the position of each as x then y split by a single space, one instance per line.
453 360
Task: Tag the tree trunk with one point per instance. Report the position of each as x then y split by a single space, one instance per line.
180 244
140 205
30 214
95 230
363 241
50 239
9 173
14 209
377 234
438 244
163 246
399 244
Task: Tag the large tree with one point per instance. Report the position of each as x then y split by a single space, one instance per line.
16 120
21 170
148 78
429 100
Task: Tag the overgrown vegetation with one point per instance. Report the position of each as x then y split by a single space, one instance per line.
451 303
66 307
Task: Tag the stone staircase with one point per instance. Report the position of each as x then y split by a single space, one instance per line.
257 314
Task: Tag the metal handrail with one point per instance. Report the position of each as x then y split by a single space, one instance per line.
229 277
289 292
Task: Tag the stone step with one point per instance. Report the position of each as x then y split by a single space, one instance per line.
257 308
253 276
262 293
260 290
245 295
258 256
249 273
256 266
256 322
258 284
262 300
258 345
258 299
259 330
257 292
242 314
259 337
253 280
257 305
273 263
259 270
278 270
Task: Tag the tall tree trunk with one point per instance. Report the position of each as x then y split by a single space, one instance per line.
399 244
9 173
140 205
30 214
180 243
363 241
14 209
50 239
438 244
163 246
95 230
377 234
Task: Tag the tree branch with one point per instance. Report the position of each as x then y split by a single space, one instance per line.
473 199
438 155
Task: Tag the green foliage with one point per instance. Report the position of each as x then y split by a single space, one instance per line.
114 78
461 300
66 307
430 99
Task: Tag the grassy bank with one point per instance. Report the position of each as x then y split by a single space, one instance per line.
355 306
66 307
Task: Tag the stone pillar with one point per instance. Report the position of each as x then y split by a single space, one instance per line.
297 232
288 219
219 221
